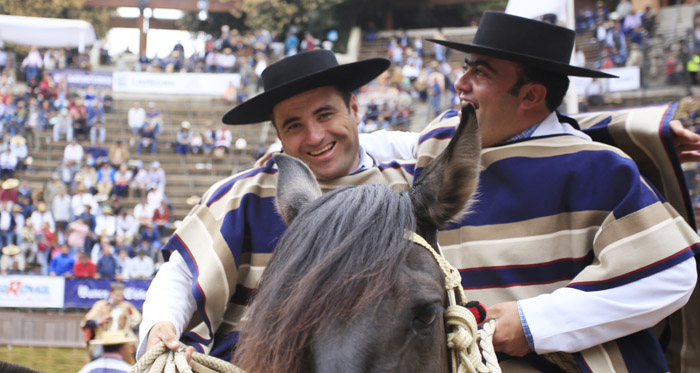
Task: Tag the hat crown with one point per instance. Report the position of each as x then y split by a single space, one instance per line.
525 36
298 66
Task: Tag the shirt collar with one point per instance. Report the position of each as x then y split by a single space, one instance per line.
547 127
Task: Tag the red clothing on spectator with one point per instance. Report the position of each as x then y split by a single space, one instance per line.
86 270
161 215
8 195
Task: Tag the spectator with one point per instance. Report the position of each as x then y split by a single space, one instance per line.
12 261
693 67
86 179
78 232
32 63
61 206
82 198
154 117
225 61
84 267
73 152
63 124
122 178
99 319
141 266
150 235
106 224
107 264
28 244
137 119
96 121
184 136
127 228
140 181
156 176
78 113
148 138
9 190
8 164
118 153
649 21
41 216
18 145
62 264
154 198
673 68
44 241
105 180
291 43
161 218
595 92
143 213
117 355
8 236
222 141
636 57
99 153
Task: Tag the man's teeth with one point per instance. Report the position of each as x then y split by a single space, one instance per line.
325 148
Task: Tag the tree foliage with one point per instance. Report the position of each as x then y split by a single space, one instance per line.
70 9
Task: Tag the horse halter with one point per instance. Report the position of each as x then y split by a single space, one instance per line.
463 332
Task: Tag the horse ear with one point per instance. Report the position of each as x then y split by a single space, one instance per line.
296 186
446 184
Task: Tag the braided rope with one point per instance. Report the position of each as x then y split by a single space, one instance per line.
464 337
163 360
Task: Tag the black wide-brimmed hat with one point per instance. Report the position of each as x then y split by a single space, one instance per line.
532 43
300 73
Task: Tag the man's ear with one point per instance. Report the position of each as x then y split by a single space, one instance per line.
532 95
354 109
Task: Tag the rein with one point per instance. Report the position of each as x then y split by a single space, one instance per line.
461 341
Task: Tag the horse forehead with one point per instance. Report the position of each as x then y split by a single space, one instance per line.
421 270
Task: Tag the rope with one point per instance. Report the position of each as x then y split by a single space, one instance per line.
163 360
464 337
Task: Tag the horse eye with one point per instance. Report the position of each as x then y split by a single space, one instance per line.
426 316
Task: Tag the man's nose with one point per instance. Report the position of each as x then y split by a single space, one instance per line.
315 133
463 83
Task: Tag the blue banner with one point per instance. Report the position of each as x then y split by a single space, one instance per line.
83 293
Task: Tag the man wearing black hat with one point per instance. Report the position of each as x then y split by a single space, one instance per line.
221 248
569 246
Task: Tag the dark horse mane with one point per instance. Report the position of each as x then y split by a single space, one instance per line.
344 250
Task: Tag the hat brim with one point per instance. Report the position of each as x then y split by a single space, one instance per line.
524 59
349 76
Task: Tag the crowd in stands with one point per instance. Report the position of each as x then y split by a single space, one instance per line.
75 225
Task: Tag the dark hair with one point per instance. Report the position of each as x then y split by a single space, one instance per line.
556 84
344 93
112 348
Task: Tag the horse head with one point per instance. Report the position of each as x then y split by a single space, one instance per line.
346 290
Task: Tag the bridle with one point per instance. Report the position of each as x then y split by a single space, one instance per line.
464 338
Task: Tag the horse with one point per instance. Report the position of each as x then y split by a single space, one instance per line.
345 289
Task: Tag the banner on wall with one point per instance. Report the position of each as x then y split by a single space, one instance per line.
76 78
629 80
83 293
175 83
31 291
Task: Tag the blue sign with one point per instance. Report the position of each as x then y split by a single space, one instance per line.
83 293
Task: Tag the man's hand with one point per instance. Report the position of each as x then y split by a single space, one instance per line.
686 142
509 336
165 331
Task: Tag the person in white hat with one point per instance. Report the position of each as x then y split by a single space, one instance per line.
12 261
117 355
182 140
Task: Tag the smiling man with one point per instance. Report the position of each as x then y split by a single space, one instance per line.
570 247
220 251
